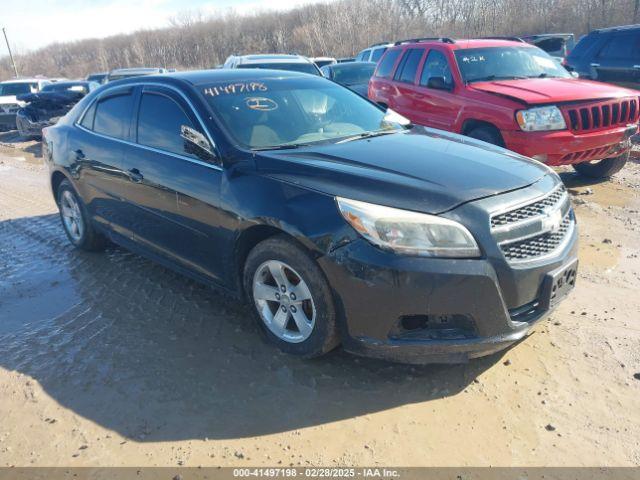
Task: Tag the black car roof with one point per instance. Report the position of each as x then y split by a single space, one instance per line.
207 77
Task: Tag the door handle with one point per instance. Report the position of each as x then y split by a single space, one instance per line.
135 175
79 154
595 64
637 66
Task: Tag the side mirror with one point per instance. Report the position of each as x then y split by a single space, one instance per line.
196 143
438 83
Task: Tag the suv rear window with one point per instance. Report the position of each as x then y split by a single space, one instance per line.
622 47
385 67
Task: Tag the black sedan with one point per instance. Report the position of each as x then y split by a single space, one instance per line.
338 222
353 75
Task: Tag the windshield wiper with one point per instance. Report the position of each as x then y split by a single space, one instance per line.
284 146
489 78
369 135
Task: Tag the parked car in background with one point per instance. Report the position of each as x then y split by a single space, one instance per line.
121 73
353 75
322 61
292 63
510 94
557 45
333 219
9 103
47 106
608 55
98 77
373 53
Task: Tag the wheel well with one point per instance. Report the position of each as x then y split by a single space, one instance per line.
473 124
249 239
56 180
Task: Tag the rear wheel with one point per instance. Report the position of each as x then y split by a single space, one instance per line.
602 168
486 134
291 298
76 221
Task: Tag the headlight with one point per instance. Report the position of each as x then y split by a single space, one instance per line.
541 118
406 232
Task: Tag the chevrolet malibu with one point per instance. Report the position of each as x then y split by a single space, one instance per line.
338 221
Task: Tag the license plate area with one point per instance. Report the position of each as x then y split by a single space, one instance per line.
559 283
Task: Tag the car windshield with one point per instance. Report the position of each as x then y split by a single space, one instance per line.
17 88
505 63
284 113
352 74
63 87
292 67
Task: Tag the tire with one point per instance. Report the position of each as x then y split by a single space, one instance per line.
74 212
603 168
486 134
290 262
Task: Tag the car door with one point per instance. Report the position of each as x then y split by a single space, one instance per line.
437 105
97 147
406 94
174 193
619 60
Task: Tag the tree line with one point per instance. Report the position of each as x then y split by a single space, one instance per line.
192 40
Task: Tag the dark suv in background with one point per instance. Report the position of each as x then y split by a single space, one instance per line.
608 55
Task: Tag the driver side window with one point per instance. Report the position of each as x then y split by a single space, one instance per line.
436 65
160 123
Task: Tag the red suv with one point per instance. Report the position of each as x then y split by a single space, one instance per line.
511 94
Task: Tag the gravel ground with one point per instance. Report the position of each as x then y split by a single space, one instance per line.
110 360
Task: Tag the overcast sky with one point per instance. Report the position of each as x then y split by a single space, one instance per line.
34 23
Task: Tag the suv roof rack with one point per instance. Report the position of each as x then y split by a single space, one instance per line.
425 39
616 29
504 37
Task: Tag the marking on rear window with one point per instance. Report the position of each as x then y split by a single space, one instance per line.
235 88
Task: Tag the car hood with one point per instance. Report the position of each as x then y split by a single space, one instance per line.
534 91
4 99
425 170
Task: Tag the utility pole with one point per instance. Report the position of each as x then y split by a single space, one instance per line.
15 70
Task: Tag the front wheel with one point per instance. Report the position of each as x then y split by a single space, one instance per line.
291 298
603 168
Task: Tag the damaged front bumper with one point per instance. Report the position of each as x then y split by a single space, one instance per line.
434 310
27 127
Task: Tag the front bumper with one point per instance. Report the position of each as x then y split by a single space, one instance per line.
26 127
564 147
7 121
463 308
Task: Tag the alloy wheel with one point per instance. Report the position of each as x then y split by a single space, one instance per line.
284 301
71 215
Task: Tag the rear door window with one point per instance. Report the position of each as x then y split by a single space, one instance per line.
621 47
363 56
406 71
385 67
377 54
160 122
436 65
113 115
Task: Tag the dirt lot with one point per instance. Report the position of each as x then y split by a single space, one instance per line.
109 360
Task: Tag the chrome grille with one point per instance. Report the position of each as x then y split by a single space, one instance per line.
538 245
531 210
536 229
